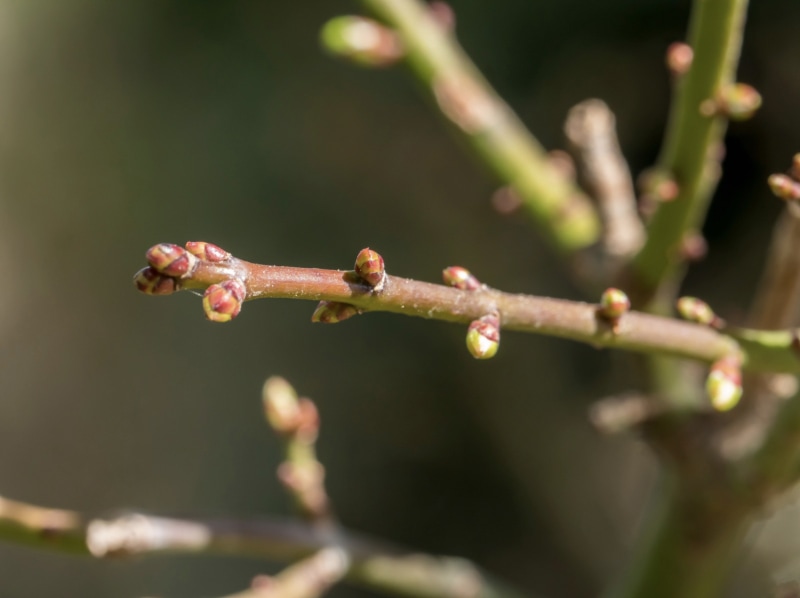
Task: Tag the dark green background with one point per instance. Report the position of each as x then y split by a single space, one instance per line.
127 123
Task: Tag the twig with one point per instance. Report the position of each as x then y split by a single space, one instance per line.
634 331
590 128
691 150
374 565
495 133
308 578
301 473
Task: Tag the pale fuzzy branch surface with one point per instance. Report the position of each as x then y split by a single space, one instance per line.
692 147
591 130
496 134
373 564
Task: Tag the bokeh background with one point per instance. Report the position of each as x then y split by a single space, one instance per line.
124 124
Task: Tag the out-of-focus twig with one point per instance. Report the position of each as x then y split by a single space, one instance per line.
308 578
691 152
297 422
590 129
611 415
374 564
564 214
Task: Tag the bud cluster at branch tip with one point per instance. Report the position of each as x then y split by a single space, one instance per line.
171 260
151 282
207 251
483 336
362 41
223 301
613 305
333 312
724 383
460 278
370 268
698 311
738 101
679 58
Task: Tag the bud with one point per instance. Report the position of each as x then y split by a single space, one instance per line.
483 336
332 312
444 14
795 169
369 266
171 260
460 278
281 406
613 304
693 247
679 58
207 251
738 101
364 41
222 302
698 311
658 185
784 187
151 282
724 383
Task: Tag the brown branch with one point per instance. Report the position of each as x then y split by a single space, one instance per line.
578 321
590 129
375 565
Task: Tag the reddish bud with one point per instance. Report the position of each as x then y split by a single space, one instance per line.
460 278
483 336
207 251
444 14
693 247
370 267
506 201
724 383
658 186
332 312
222 302
613 304
784 187
171 260
698 311
679 58
151 282
361 40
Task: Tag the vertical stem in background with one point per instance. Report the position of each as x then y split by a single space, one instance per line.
693 144
495 133
688 549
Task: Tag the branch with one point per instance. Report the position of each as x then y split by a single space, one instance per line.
590 129
633 331
496 134
374 565
692 147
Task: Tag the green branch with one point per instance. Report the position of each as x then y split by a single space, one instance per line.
693 144
496 134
